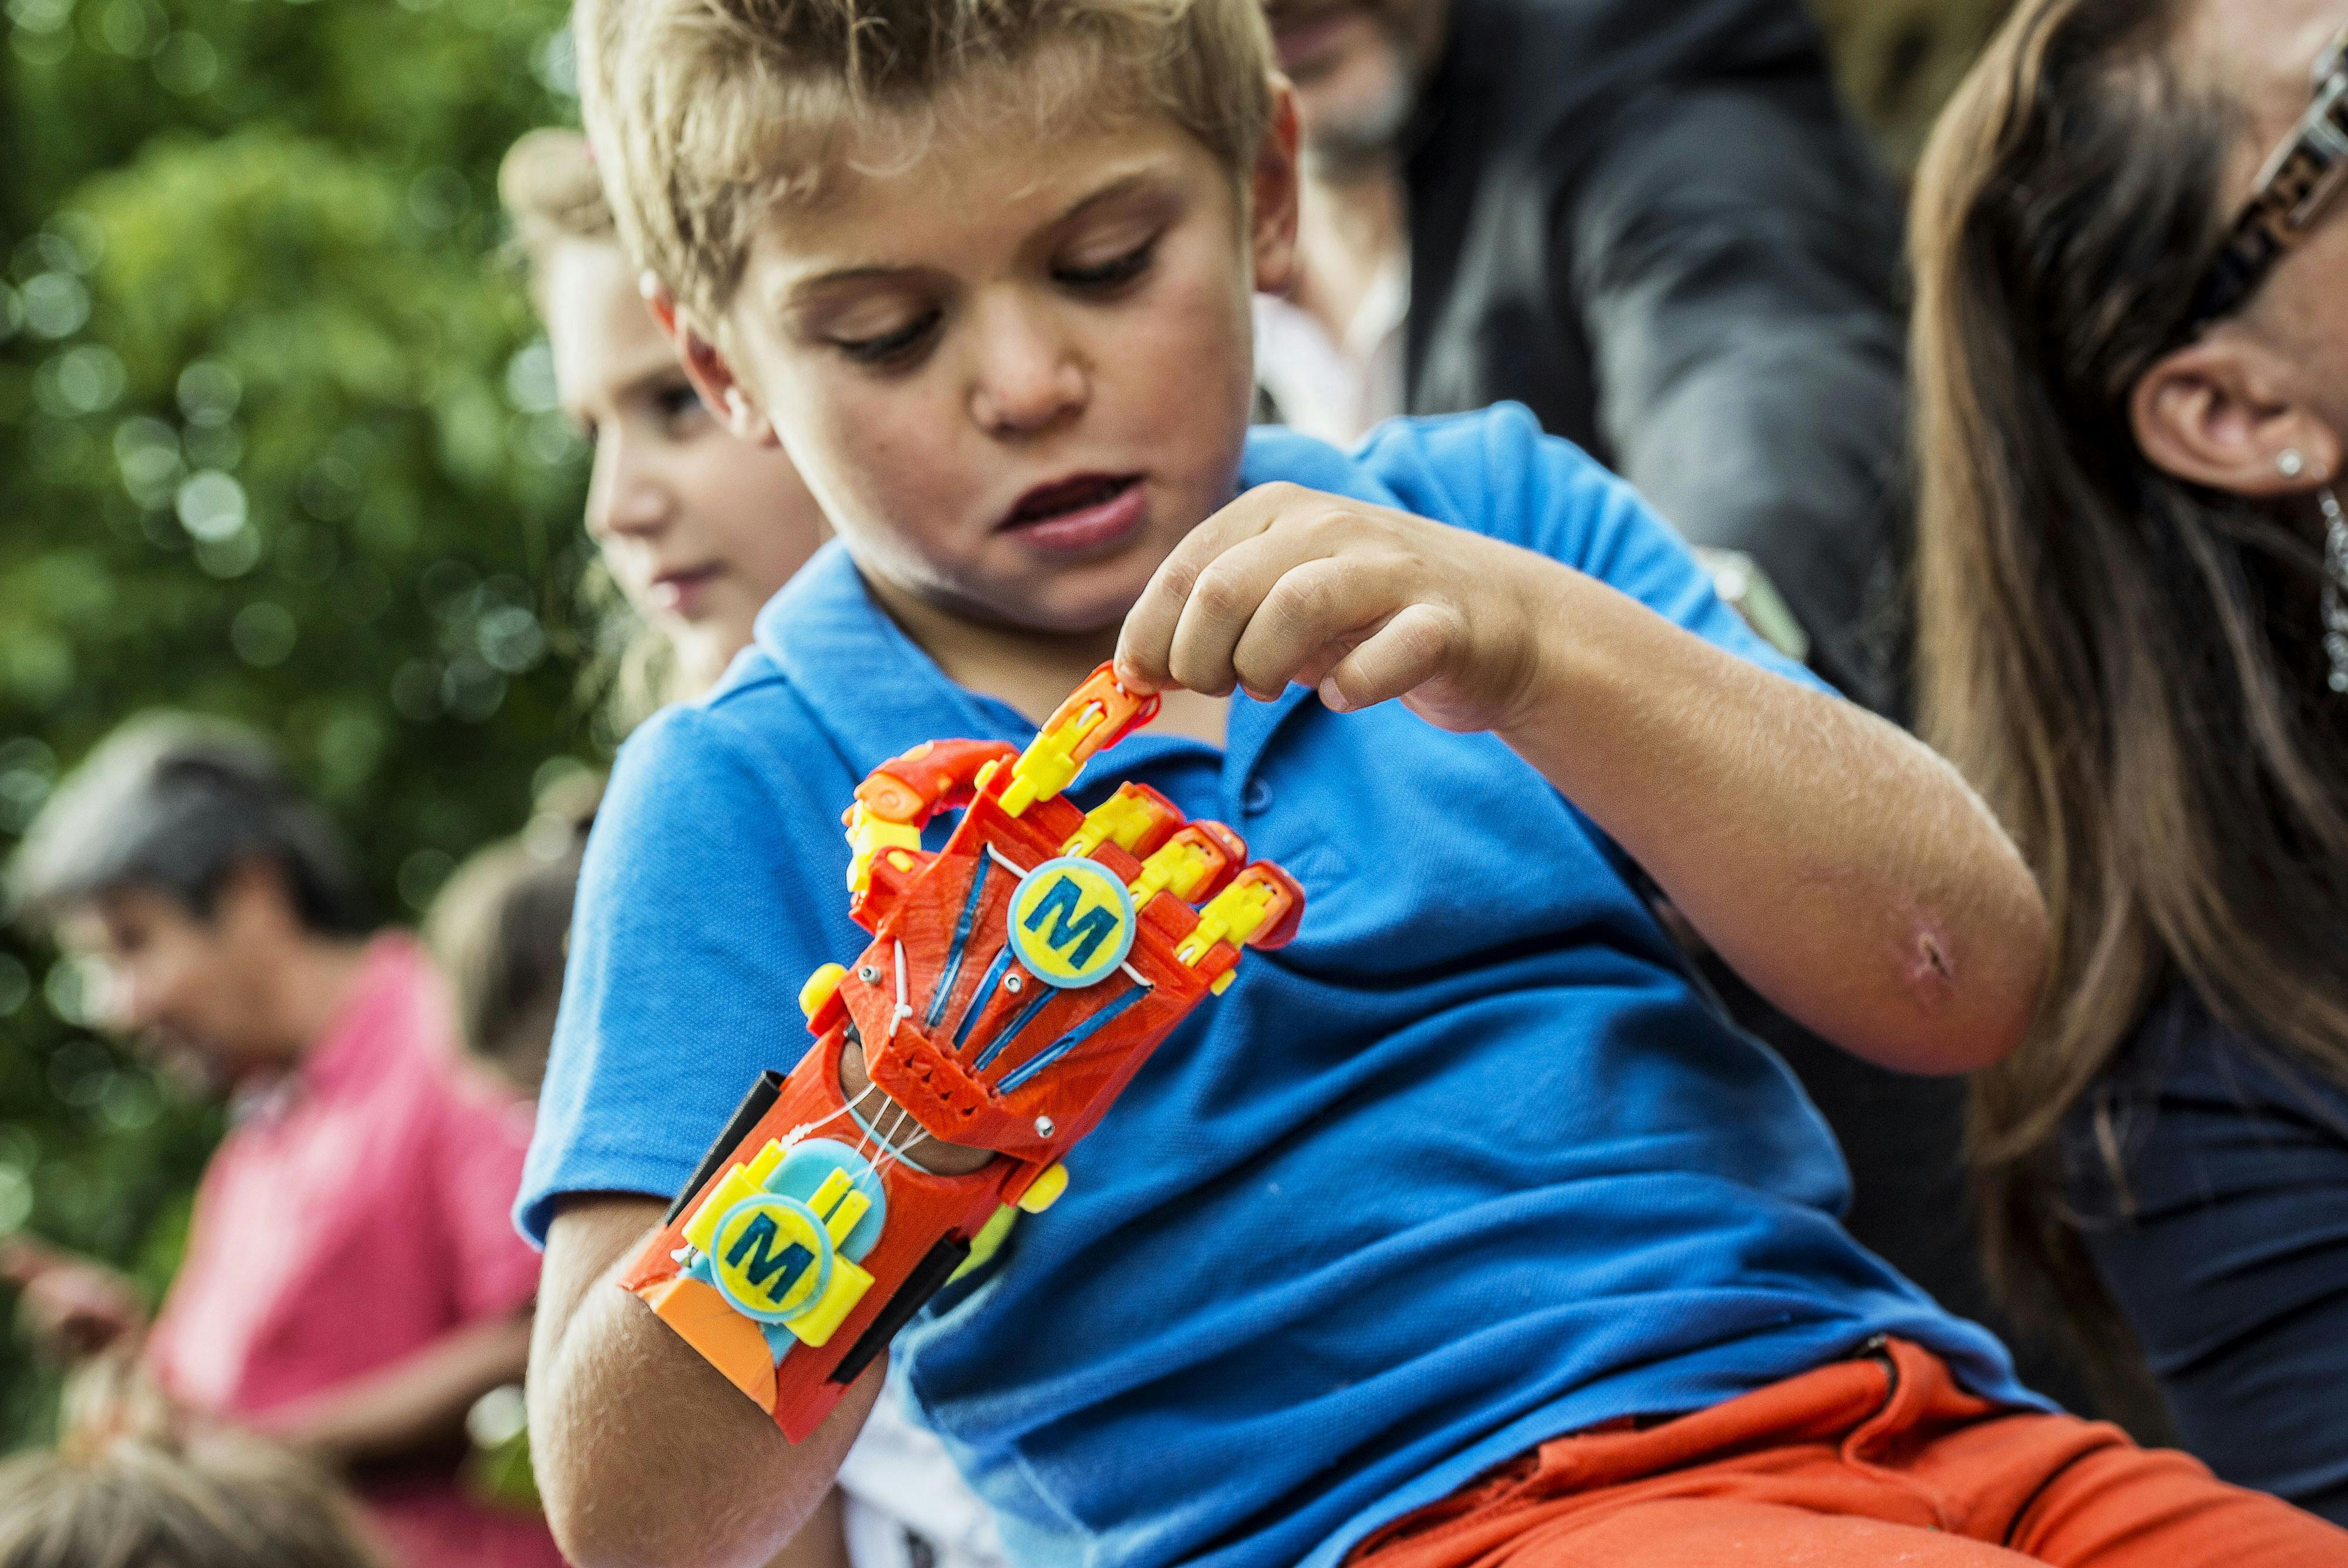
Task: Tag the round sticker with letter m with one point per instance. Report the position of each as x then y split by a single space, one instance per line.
770 1257
1072 922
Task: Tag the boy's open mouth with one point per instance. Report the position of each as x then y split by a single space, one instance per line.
1079 515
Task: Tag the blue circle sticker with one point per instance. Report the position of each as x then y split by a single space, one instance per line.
1072 922
770 1257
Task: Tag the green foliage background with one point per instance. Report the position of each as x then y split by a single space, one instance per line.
275 442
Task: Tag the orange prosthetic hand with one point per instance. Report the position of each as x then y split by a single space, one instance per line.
1017 980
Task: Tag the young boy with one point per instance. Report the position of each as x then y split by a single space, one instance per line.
1467 1181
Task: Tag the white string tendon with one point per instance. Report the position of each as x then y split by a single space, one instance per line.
1005 862
800 1132
904 1008
896 1152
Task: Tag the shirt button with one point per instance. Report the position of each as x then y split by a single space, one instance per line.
1259 797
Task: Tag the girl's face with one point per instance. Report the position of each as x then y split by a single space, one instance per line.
699 529
2264 50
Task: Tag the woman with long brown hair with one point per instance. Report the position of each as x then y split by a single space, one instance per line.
2131 244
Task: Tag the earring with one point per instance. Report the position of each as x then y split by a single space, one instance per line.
2335 587
2291 463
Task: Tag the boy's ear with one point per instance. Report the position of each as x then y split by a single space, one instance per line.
2221 411
1273 194
708 368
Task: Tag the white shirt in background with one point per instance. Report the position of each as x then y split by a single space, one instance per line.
1331 388
907 1505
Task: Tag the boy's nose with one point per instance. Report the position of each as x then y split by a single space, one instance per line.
625 499
1029 375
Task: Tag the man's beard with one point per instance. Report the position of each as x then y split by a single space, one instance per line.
1362 140
1366 139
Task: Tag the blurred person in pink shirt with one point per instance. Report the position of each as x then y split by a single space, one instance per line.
352 1283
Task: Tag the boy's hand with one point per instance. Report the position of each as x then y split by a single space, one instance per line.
1362 602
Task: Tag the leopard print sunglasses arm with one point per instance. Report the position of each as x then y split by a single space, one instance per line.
2295 188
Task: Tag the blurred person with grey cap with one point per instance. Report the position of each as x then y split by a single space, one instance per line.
351 1283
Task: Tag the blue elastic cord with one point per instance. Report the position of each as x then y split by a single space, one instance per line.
1068 1041
961 935
985 994
1027 1016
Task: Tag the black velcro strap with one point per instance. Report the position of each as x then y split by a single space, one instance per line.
755 1105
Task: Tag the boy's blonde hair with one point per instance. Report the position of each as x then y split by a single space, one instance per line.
214 1499
553 193
708 114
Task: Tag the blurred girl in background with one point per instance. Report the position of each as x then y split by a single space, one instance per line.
2131 244
697 530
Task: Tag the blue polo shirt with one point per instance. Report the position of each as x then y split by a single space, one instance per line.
1466 1166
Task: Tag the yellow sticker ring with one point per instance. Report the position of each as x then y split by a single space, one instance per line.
1072 922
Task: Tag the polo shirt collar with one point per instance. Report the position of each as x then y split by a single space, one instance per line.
351 1051
876 694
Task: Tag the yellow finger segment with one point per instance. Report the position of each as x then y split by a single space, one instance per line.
763 1164
1050 762
988 1240
728 1190
827 1191
820 1322
819 988
1237 913
1121 820
1045 1190
1182 866
868 836
842 1219
836 1198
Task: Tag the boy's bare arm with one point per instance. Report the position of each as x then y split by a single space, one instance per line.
645 1453
1838 864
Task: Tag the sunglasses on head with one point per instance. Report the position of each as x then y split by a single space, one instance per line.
2302 179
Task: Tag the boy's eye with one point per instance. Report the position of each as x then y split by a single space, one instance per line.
891 347
1109 274
679 405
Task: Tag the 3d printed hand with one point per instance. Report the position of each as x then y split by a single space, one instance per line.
1017 980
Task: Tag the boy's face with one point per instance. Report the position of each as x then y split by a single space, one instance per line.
1017 370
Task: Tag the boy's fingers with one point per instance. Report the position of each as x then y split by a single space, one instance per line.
1145 644
1308 620
1397 659
1228 595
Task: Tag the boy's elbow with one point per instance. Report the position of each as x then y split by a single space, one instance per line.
605 1516
1972 998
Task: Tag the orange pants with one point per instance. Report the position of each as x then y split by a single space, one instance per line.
1877 1460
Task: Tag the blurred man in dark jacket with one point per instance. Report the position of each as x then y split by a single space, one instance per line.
1653 223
